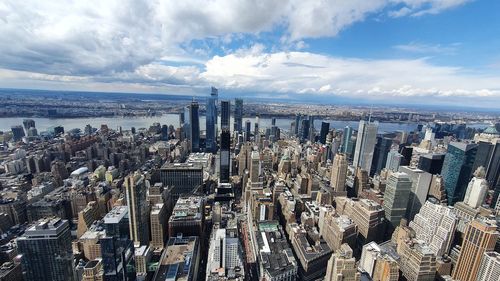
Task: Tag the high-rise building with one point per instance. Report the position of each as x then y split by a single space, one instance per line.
396 196
46 252
366 214
477 189
457 169
431 163
382 148
490 267
194 126
187 217
393 160
238 115
418 262
211 121
225 155
158 218
420 184
224 256
435 224
248 130
182 177
325 127
296 130
28 123
379 262
225 114
135 190
365 144
313 254
304 129
17 132
346 144
342 266
339 172
480 237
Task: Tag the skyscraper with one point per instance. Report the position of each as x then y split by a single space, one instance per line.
225 114
339 172
490 267
17 132
135 190
46 251
248 128
382 147
365 144
225 157
211 121
238 115
325 127
342 266
297 125
28 123
194 127
393 160
304 130
480 237
396 196
457 169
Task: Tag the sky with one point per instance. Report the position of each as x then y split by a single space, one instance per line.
439 52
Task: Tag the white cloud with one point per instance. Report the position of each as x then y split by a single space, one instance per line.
421 48
148 45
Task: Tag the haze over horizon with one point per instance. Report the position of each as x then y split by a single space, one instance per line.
382 51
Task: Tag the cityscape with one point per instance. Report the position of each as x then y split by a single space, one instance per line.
248 146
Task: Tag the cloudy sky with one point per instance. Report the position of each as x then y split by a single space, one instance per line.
385 51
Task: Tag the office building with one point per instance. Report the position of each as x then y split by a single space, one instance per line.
304 129
338 230
211 121
45 250
117 250
187 217
476 189
184 178
396 196
248 130
238 115
490 267
17 133
339 173
420 184
380 262
225 114
296 129
313 254
180 260
342 266
194 127
431 163
225 155
365 144
435 224
366 214
393 160
93 271
480 237
158 221
28 123
325 128
380 153
275 257
418 262
347 144
224 256
135 191
457 169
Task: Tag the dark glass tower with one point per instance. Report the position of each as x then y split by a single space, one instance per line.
225 156
194 126
457 169
248 129
238 115
325 127
211 121
382 147
46 251
225 114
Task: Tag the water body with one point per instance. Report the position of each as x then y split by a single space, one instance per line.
42 124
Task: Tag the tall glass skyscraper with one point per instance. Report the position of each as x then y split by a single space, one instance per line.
225 156
365 144
225 114
135 187
194 127
457 169
211 121
346 141
325 127
238 115
46 252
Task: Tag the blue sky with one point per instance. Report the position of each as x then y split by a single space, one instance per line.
381 51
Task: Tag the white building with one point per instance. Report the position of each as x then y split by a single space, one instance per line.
490 267
365 144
